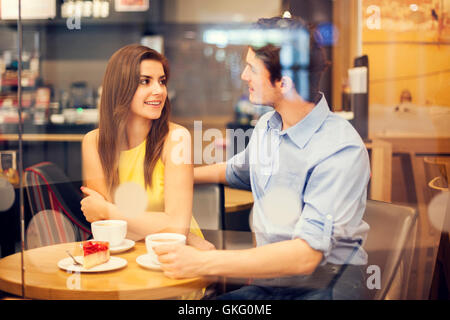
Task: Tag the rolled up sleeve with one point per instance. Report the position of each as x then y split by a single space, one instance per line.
238 171
334 199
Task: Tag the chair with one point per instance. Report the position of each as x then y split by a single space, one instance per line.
437 171
55 207
208 209
390 246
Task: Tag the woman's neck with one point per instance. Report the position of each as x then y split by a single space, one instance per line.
137 131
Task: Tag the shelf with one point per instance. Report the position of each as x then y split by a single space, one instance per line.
115 18
5 90
28 127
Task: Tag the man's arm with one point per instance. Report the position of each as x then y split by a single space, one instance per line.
215 173
235 172
291 257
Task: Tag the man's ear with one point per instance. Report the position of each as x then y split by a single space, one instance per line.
286 85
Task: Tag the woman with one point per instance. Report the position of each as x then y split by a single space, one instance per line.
135 142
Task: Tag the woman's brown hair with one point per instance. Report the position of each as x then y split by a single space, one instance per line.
119 86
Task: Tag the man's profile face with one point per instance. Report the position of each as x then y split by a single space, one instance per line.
261 90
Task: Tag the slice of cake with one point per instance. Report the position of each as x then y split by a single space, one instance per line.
95 253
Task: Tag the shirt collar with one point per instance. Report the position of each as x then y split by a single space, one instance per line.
301 132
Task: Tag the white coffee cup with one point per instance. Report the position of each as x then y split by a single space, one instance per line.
113 231
157 239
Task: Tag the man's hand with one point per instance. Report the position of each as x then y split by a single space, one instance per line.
180 261
94 206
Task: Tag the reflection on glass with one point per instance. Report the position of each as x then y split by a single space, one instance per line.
303 77
63 61
8 166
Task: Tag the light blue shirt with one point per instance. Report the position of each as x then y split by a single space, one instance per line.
308 181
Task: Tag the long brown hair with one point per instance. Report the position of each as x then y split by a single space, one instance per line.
119 86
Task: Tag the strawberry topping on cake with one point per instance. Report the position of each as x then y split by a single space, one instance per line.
95 253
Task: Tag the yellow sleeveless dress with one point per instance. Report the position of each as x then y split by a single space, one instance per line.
131 164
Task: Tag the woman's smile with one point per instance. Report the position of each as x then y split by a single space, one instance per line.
153 103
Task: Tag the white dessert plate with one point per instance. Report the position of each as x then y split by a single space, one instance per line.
126 244
146 262
113 263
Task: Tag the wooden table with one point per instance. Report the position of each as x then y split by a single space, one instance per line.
44 280
49 137
237 200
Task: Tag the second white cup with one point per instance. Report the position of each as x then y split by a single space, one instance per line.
113 231
157 239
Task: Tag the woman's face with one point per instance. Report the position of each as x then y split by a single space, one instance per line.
151 93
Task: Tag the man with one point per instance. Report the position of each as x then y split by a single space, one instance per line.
308 170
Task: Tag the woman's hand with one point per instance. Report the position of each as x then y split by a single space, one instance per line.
94 206
198 242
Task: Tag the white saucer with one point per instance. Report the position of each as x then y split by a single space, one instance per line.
113 263
146 262
124 246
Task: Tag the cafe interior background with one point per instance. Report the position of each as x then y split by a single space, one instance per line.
389 76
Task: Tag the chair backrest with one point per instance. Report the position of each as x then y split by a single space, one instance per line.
437 172
55 206
208 210
390 244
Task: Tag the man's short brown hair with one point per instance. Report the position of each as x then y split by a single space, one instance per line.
269 53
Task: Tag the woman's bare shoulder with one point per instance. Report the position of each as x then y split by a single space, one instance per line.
176 130
173 125
90 139
178 137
